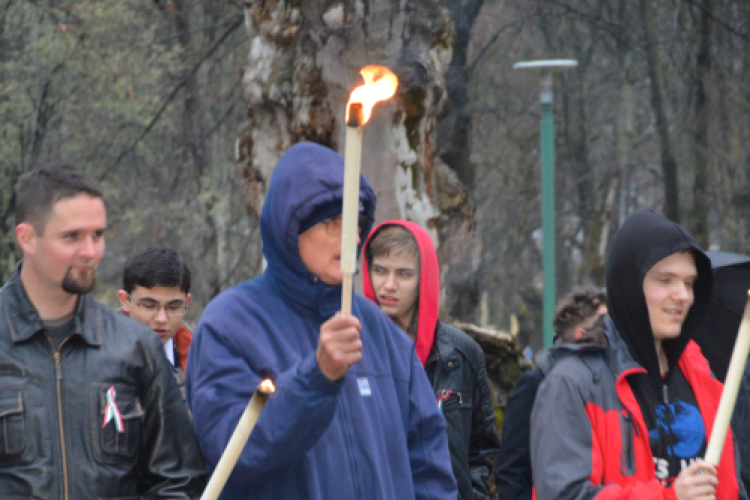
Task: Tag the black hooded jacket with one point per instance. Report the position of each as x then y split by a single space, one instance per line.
644 240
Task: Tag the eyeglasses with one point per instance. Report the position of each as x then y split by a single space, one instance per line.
151 307
334 224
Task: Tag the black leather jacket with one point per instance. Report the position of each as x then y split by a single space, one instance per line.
456 364
53 443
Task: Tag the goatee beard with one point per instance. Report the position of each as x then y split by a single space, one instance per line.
73 286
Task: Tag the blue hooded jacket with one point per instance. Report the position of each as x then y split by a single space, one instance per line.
376 434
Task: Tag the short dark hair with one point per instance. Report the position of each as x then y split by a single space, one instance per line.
37 192
577 307
156 266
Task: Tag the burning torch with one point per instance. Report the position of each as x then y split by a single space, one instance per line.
731 387
238 440
380 84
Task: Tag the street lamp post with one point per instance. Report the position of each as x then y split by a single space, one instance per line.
548 186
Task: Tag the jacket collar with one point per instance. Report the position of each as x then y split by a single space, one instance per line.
24 322
442 347
616 352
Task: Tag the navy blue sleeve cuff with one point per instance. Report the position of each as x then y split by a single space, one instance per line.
310 371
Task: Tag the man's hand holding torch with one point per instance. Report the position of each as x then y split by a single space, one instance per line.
339 345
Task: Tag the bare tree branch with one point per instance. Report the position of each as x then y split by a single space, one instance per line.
723 24
238 20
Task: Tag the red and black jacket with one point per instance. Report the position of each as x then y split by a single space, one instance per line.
588 435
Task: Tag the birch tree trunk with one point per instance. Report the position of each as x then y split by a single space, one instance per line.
304 61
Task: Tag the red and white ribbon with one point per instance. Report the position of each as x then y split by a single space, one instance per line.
443 395
111 411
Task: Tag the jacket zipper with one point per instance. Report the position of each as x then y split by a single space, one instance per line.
58 383
627 461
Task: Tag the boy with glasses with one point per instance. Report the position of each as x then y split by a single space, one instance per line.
156 292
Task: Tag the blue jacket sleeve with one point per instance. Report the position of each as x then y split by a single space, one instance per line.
220 384
428 440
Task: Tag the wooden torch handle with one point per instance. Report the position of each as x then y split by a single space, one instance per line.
731 388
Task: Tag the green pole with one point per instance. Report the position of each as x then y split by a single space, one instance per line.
548 208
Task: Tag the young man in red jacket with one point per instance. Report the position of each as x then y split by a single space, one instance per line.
632 420
401 275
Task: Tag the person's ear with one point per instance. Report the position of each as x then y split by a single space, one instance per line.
187 298
26 237
124 300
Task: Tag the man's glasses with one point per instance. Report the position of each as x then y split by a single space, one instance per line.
333 225
151 307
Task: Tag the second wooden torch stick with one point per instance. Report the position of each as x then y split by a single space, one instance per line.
731 388
238 440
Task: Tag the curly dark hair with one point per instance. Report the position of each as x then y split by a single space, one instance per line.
576 308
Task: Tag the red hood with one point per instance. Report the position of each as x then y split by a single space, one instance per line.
429 284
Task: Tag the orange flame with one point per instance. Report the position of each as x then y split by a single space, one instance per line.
380 84
266 386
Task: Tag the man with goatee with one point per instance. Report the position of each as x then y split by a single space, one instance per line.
88 404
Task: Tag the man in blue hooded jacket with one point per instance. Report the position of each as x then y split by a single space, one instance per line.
353 415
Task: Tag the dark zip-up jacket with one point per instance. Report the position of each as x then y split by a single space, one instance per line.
456 370
53 444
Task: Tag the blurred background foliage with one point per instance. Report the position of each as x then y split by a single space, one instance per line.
148 97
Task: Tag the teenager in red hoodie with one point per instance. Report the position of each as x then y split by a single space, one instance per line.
401 275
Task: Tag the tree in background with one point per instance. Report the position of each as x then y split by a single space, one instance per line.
183 108
146 96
